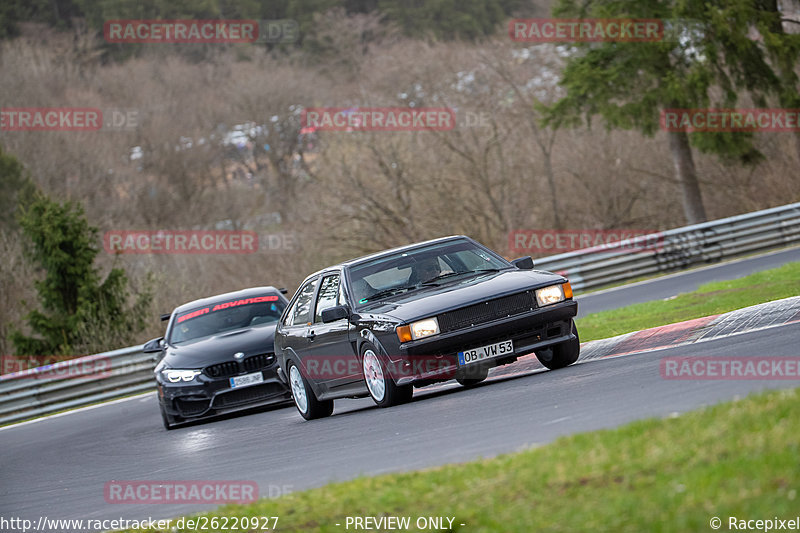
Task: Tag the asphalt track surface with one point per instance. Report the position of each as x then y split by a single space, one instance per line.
674 284
58 467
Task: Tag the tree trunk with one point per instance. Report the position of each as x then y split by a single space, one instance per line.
786 64
687 177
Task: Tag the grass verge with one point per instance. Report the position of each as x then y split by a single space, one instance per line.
735 459
708 299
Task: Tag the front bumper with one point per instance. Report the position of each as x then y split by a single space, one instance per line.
215 396
435 359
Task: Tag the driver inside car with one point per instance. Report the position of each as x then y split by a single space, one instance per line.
426 270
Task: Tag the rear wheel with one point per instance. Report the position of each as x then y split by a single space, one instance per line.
304 398
563 354
382 388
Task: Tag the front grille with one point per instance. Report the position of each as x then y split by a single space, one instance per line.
191 406
257 362
486 311
234 368
245 395
222 370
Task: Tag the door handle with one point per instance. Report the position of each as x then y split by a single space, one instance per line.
310 335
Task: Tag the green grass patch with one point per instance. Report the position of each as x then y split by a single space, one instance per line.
735 459
709 299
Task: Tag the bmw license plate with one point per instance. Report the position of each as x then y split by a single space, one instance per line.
247 379
485 352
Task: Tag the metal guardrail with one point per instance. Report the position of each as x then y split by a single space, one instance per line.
75 383
679 248
119 373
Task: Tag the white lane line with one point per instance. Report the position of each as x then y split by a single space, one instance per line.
556 421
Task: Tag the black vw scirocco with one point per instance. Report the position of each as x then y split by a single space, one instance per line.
444 309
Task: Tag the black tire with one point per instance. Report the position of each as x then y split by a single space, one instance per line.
563 354
473 376
169 422
312 408
393 394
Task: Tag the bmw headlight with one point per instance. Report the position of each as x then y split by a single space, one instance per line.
550 295
174 375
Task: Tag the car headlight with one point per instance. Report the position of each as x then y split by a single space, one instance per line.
174 375
550 295
424 328
418 330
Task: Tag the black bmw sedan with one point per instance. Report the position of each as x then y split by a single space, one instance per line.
438 310
217 356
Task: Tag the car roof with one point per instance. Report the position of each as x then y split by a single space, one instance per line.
244 293
351 262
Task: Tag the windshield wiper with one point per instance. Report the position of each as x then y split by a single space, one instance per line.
449 274
443 276
482 270
384 293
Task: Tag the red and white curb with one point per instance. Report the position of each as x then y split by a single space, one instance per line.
747 319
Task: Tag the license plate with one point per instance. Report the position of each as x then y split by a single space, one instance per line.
485 352
247 379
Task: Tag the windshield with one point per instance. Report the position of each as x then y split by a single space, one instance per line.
401 272
226 316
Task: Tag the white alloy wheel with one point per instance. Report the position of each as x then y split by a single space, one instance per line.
373 375
298 389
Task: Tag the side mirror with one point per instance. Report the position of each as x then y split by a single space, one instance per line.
523 263
332 314
154 346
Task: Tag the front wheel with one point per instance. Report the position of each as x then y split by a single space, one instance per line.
382 388
563 354
304 398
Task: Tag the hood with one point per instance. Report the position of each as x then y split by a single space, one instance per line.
220 348
450 295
